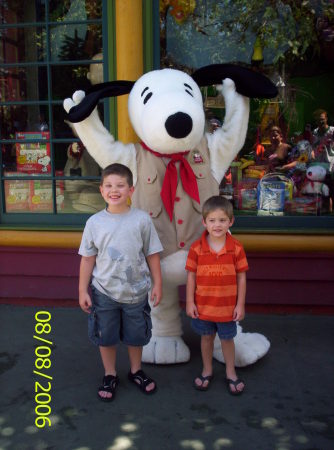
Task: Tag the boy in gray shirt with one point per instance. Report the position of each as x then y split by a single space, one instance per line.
119 255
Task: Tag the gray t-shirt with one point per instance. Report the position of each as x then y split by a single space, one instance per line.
121 243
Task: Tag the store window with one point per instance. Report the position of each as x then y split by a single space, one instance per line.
48 49
284 174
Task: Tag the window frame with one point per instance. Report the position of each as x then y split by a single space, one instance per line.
60 219
151 38
251 223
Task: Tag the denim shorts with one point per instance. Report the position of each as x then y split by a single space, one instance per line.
225 330
111 322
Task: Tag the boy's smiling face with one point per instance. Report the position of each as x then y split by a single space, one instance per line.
116 191
217 223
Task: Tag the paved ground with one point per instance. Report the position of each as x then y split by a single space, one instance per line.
288 404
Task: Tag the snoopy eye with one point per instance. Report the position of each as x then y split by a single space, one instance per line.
187 90
147 97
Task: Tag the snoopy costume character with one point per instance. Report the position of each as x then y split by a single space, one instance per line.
176 167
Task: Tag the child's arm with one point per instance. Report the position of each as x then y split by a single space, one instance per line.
86 269
153 262
190 300
239 310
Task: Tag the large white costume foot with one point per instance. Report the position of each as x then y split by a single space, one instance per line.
166 350
249 347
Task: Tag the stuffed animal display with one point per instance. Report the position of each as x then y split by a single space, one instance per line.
314 184
176 167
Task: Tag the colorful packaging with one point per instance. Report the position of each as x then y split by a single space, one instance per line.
33 157
16 194
310 205
273 190
271 198
40 198
245 195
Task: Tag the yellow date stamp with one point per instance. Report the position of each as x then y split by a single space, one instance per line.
42 364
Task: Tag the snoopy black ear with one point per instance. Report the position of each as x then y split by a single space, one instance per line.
94 94
247 82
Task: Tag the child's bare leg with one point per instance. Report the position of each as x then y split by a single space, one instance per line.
108 355
228 349
207 342
135 355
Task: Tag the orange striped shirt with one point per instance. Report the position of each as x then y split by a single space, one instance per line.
216 277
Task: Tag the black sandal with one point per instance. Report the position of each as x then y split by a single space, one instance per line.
141 380
200 387
110 383
235 384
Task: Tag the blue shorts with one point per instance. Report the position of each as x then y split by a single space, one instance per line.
111 322
225 330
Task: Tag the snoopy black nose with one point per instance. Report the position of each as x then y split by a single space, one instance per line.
179 125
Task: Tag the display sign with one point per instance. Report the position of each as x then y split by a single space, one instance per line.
33 157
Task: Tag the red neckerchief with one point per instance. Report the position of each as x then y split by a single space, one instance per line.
169 185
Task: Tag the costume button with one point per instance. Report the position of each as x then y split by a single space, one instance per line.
151 213
180 221
200 175
177 199
182 244
148 179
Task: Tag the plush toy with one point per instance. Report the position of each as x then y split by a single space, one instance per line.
298 159
314 184
176 167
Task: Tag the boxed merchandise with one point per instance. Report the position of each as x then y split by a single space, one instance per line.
16 194
245 195
40 198
310 205
272 192
33 157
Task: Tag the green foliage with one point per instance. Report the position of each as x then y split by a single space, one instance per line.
73 48
288 27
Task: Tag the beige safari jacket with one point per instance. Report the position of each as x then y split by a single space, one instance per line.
186 226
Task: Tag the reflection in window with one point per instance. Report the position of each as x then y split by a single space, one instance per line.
278 171
74 10
75 42
22 12
44 165
80 196
22 118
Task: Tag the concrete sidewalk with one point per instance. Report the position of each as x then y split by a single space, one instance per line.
287 405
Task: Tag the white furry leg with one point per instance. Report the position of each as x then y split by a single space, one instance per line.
166 345
249 347
166 350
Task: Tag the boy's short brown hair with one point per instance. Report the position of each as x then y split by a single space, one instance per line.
217 202
117 169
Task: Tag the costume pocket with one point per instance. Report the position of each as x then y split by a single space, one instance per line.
152 190
203 190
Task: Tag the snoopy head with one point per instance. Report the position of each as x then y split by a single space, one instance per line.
166 110
316 173
166 106
44 161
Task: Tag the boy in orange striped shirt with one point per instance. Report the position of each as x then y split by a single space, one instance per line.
216 290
